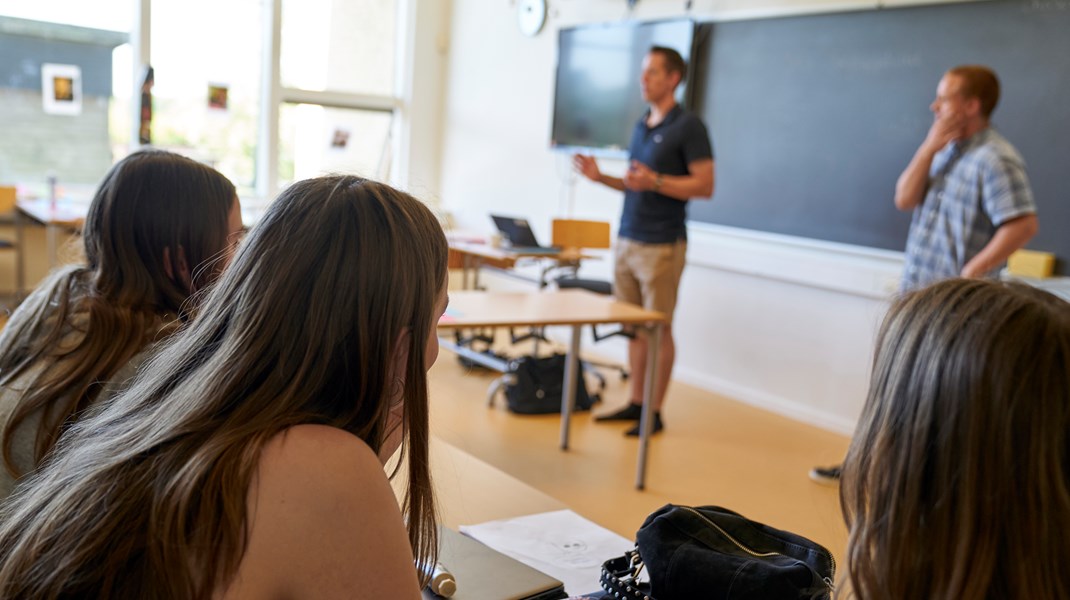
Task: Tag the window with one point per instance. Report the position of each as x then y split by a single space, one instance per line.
206 58
65 73
336 81
339 45
320 139
329 103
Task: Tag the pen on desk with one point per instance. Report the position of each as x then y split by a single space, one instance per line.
442 581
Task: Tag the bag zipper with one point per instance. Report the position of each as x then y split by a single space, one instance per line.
832 559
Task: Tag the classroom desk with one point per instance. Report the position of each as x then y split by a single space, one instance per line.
70 215
471 257
575 309
469 491
63 214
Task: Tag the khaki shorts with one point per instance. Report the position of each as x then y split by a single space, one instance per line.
649 274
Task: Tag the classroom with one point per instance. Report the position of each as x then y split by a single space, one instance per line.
453 102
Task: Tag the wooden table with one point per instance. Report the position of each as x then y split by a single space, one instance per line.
572 308
68 214
470 491
63 214
471 257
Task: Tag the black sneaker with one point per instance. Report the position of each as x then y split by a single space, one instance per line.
632 412
658 426
826 475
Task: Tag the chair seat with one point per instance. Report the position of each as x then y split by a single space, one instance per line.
597 286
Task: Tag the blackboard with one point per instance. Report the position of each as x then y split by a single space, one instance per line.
814 117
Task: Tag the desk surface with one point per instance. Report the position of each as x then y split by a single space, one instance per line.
470 491
505 253
65 213
560 307
72 213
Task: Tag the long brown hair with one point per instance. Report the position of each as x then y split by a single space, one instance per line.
148 498
957 482
151 205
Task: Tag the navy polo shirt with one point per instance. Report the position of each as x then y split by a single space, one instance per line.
679 140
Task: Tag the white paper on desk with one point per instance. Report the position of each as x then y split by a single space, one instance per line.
561 544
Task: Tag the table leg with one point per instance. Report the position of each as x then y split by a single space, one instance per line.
476 268
20 263
466 265
568 393
50 236
645 419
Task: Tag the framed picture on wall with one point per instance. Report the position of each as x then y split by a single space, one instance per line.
217 96
61 89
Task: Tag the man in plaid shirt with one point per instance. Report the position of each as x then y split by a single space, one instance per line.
966 185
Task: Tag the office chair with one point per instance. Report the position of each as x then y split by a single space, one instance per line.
571 236
569 233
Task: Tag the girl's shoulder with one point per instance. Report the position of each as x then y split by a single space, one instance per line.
317 448
323 521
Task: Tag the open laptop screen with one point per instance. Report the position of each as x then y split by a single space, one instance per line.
516 231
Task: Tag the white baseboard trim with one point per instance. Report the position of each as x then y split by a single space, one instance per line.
765 401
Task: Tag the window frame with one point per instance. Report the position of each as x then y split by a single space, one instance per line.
274 94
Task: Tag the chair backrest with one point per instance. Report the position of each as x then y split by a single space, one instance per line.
7 198
572 233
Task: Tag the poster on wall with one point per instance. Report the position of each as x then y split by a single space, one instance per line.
144 131
340 138
61 89
217 96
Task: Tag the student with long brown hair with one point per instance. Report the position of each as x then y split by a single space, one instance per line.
957 482
157 227
247 459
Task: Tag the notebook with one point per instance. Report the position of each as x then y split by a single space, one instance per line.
482 573
520 236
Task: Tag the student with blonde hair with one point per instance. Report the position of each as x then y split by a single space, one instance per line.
957 482
247 459
159 227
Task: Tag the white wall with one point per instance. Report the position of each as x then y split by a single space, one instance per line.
780 322
426 41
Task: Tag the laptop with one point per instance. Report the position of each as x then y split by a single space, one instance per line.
483 573
520 236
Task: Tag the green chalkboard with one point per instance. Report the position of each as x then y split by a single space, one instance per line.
814 117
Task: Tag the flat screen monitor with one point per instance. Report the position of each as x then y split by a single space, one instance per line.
597 99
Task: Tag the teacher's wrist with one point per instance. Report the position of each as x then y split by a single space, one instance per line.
658 180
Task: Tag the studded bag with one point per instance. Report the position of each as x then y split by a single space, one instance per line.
712 552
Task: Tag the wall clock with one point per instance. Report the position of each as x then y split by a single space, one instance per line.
531 15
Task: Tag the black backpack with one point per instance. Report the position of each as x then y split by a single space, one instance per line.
539 382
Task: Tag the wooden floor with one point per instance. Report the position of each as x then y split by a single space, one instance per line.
713 451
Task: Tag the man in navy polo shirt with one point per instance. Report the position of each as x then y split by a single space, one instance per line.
671 162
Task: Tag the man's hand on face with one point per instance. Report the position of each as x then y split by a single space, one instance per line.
946 127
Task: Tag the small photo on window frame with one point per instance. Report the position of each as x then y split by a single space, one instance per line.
218 96
61 89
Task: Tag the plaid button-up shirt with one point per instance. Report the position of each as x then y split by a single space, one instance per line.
975 185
